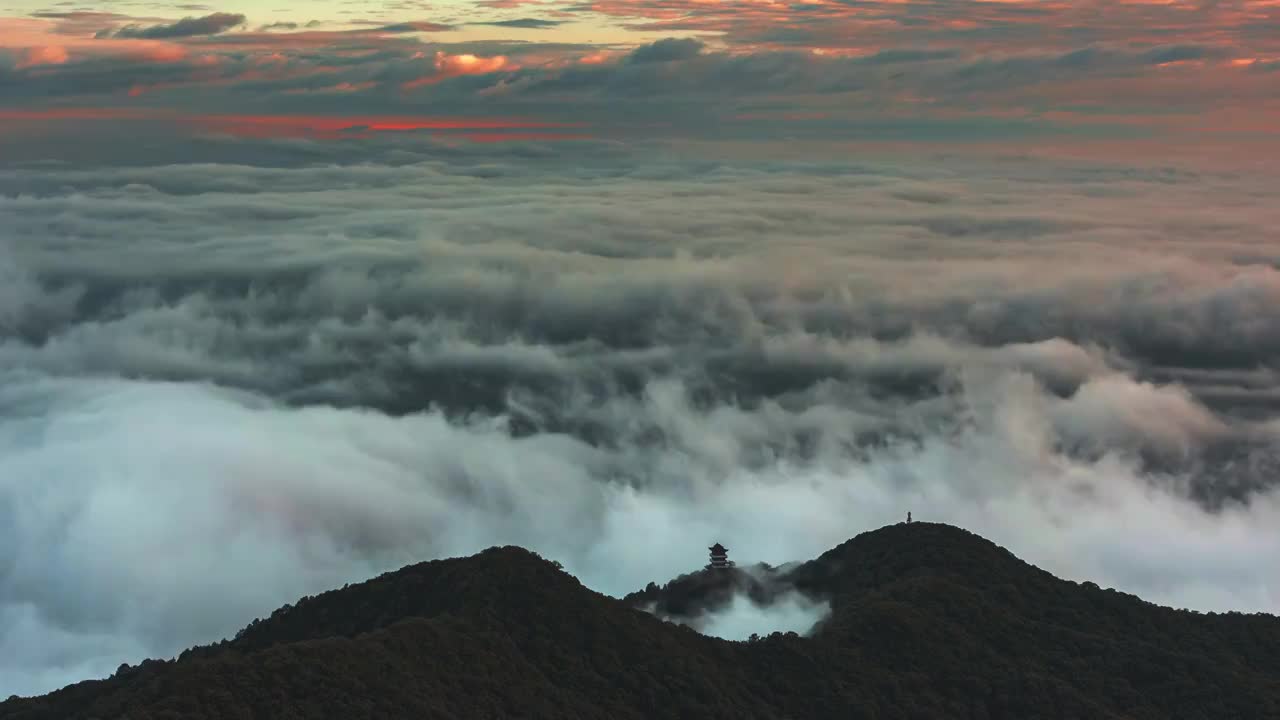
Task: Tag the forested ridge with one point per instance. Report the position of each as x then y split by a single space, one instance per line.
927 621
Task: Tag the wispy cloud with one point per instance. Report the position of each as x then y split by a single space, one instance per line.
523 23
186 27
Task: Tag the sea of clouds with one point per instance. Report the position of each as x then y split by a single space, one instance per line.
224 385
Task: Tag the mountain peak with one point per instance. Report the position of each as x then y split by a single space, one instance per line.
895 552
927 621
500 578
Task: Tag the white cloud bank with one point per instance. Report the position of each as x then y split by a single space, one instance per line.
228 387
790 612
140 518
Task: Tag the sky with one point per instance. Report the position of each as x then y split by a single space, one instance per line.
295 293
1154 80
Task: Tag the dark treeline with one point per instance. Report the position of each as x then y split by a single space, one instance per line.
927 621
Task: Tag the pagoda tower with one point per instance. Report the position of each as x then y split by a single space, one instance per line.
719 558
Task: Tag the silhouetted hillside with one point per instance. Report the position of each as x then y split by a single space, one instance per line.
928 621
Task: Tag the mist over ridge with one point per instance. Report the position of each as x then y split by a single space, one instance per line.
613 359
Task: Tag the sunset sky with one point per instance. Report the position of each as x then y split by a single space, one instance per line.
1159 78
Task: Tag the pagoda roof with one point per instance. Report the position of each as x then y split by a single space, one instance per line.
718 548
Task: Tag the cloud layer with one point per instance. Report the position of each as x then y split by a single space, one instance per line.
438 348
792 612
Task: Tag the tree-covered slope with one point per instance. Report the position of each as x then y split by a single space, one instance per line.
927 621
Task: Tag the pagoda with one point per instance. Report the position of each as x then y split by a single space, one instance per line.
719 558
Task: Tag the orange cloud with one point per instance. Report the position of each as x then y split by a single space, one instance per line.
39 42
46 55
448 66
156 53
1014 25
598 58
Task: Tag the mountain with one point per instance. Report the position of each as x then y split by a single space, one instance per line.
927 621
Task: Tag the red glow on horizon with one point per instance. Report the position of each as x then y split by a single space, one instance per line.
312 126
354 126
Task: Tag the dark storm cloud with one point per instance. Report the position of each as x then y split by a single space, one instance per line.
1097 62
703 93
1012 26
289 25
666 67
187 27
107 76
684 67
523 23
909 56
668 50
413 27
